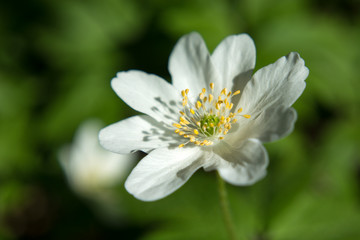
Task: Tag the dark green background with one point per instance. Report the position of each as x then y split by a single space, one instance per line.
56 62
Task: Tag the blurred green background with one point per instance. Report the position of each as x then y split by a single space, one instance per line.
56 62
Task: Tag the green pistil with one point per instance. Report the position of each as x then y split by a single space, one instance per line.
207 121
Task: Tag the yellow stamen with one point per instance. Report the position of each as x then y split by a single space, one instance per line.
198 104
192 111
196 131
181 145
211 97
177 125
212 86
236 93
224 91
201 96
246 116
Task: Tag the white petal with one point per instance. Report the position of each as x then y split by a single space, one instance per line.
163 171
148 94
234 58
135 133
242 165
280 83
272 124
190 64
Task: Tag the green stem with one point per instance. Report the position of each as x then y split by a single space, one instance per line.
225 208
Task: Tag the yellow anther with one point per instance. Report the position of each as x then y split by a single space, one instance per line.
192 111
224 91
219 98
234 120
246 116
181 145
222 118
184 102
229 94
212 86
192 139
181 133
239 110
177 125
197 142
228 119
236 93
203 90
205 99
183 93
211 97
198 124
212 125
201 95
221 138
225 131
182 113
187 91
177 130
186 136
198 104
217 106
231 106
183 121
196 131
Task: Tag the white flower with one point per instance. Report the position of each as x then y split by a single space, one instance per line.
89 168
214 116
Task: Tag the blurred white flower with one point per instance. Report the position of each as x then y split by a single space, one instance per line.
198 121
90 169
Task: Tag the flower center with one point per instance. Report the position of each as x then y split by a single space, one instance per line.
209 119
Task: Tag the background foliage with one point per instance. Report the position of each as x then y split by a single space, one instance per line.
56 62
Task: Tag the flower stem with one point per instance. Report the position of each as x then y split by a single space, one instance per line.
225 208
